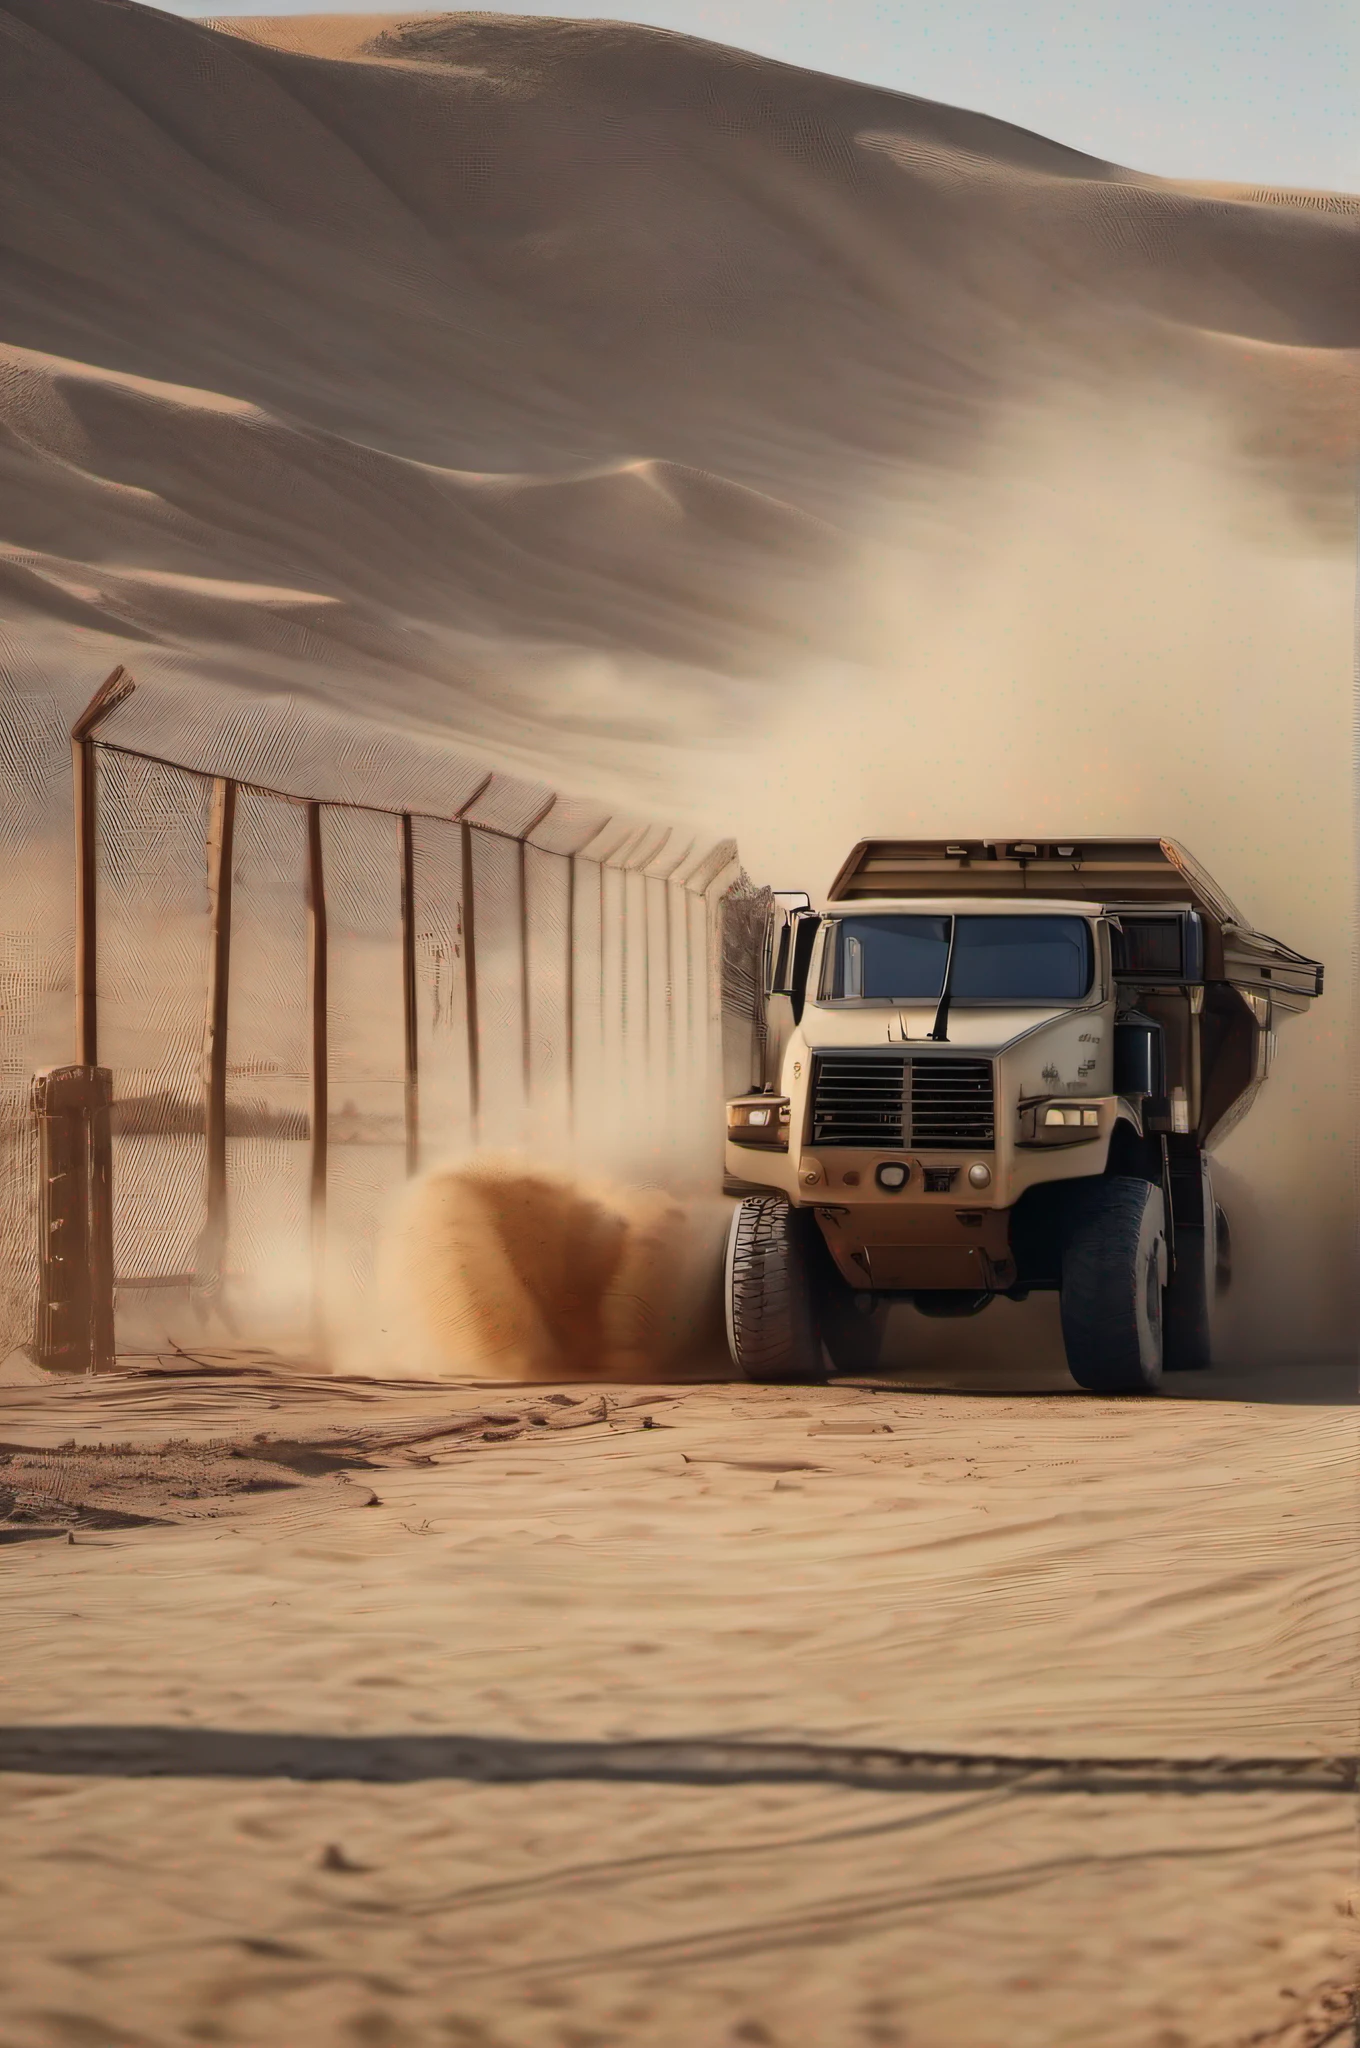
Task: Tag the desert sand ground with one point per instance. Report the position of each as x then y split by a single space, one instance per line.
540 1718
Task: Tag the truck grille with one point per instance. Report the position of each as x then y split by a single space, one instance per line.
882 1102
859 1099
951 1103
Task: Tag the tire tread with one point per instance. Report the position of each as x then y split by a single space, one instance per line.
1100 1279
775 1340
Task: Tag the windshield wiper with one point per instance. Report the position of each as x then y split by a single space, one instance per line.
940 1028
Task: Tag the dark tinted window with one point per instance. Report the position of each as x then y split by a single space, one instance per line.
997 959
1030 959
1147 945
887 958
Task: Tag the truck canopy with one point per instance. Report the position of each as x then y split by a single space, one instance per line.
1137 875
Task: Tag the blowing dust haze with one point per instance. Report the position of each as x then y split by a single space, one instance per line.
1115 625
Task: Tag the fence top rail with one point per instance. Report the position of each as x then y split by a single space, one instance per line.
624 843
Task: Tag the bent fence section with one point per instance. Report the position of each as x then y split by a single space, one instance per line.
287 1005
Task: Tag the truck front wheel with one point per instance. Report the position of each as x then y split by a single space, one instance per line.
772 1329
1113 1274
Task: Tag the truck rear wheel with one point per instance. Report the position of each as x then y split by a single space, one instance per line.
1113 1274
772 1328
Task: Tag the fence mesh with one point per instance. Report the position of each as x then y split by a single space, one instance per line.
528 973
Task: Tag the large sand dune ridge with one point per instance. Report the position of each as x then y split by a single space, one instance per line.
388 355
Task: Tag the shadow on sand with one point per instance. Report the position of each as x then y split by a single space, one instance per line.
155 1752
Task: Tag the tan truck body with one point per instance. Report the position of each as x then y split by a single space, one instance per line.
1015 1096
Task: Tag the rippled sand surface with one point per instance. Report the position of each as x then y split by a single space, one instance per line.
558 1715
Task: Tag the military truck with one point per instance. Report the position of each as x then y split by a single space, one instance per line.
992 1067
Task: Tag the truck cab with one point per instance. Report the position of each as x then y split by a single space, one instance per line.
988 1067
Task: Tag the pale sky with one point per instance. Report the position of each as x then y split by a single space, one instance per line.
1261 91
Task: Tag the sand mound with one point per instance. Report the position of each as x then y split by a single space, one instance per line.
501 1269
388 356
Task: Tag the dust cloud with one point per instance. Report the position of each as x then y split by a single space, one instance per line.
1114 625
1111 625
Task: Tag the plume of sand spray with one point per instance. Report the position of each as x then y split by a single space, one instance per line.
502 1267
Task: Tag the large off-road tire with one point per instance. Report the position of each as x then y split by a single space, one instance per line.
772 1328
1113 1274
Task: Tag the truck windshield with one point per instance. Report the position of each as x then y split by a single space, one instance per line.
997 959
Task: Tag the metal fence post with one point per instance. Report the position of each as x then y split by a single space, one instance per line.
75 1330
526 1026
470 988
115 689
221 845
410 1013
320 1118
573 878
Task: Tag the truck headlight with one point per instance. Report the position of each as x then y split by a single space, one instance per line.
759 1121
1050 1122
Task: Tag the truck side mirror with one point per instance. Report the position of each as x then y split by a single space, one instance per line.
804 933
793 949
791 903
779 962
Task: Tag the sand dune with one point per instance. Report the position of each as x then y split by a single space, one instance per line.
377 352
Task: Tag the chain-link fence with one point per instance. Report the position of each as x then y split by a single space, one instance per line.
299 1001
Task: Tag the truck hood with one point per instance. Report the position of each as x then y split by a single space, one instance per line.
908 1025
